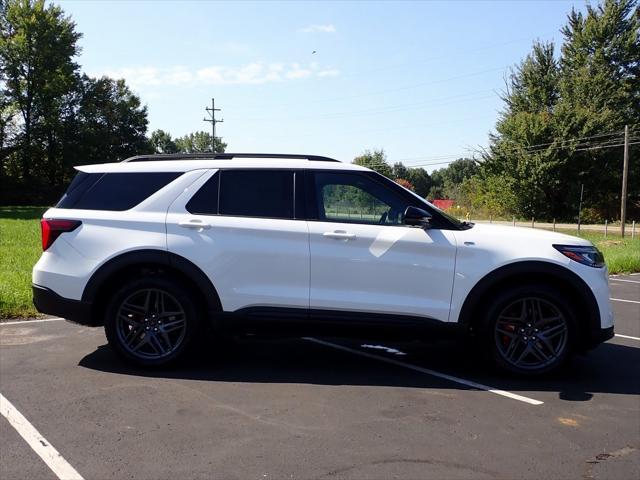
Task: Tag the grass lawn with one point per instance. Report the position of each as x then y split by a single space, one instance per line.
20 248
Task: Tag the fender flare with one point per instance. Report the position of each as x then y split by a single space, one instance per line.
153 257
537 270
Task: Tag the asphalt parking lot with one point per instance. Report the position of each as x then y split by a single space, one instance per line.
315 408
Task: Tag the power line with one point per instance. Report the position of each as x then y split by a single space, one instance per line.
392 90
427 164
436 102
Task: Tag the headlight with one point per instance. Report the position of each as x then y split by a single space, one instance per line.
589 256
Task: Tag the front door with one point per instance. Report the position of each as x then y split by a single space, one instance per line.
363 257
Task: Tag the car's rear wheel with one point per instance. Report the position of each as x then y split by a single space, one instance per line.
529 330
151 321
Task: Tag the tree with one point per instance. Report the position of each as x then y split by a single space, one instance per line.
399 171
37 73
561 117
161 142
420 180
375 160
112 121
52 117
199 142
599 94
446 181
405 183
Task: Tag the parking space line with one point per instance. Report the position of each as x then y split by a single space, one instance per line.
627 336
428 371
623 300
623 280
56 319
37 442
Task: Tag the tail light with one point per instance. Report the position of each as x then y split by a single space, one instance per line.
52 229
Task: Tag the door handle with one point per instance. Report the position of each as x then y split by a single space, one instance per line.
195 224
339 235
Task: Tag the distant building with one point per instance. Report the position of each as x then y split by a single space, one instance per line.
443 204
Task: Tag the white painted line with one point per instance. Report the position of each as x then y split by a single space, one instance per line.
428 371
57 319
622 280
623 300
39 444
627 336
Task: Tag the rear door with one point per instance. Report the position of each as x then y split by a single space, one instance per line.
243 229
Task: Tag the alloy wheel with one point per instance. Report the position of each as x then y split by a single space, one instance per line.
531 333
151 324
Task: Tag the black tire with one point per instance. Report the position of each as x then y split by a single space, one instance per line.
153 336
529 330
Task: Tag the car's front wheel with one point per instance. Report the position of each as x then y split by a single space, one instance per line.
529 329
151 321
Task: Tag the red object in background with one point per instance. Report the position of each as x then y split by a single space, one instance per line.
443 204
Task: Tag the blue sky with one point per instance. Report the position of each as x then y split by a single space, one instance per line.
419 79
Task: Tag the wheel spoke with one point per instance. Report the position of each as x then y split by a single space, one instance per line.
130 320
147 301
133 309
526 351
554 331
539 353
156 344
171 326
504 331
536 311
513 347
132 335
144 340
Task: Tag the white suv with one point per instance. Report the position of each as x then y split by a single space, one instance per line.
157 247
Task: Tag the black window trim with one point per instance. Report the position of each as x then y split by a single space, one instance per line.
304 197
220 172
439 221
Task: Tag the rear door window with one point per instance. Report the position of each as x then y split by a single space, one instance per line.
205 200
256 193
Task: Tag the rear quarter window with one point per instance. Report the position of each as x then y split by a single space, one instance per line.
113 191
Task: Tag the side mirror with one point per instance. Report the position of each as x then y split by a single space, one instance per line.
417 217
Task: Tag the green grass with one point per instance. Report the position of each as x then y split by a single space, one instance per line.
20 249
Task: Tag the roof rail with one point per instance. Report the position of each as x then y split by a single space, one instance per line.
225 156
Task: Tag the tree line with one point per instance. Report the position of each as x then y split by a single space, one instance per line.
53 116
560 129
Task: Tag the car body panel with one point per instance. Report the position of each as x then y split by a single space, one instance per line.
382 269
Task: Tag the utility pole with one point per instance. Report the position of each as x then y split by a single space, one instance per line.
212 113
580 206
625 174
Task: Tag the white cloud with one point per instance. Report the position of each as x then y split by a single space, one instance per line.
329 28
255 73
331 72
